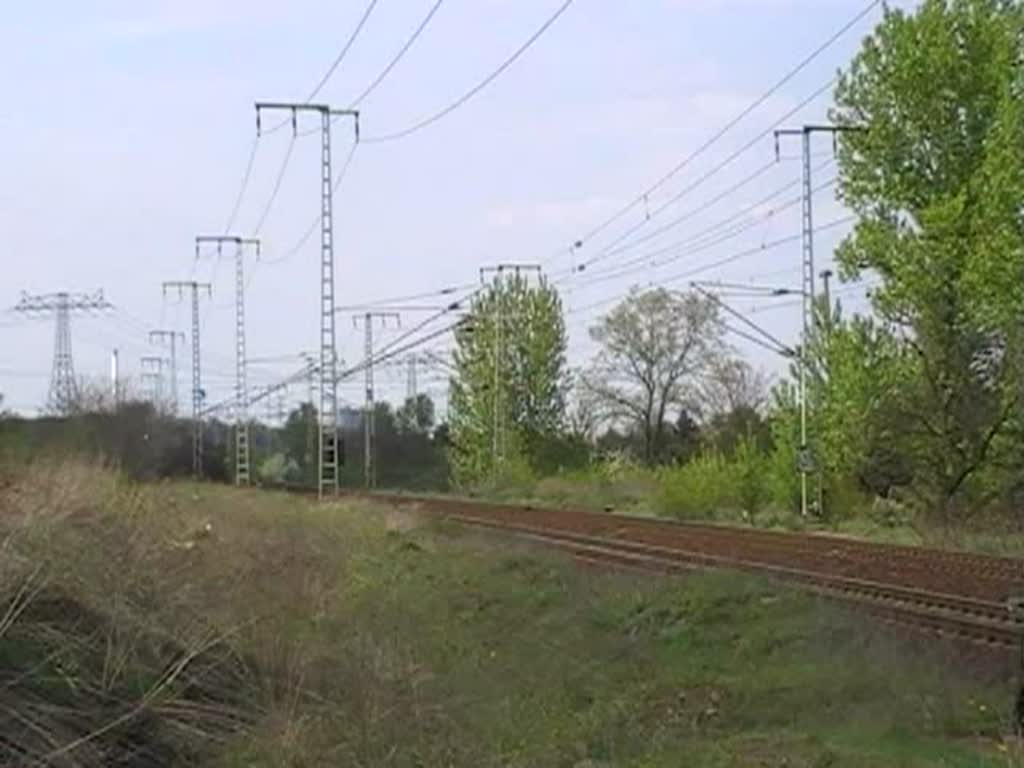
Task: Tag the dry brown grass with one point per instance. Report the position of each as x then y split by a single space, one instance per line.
136 627
104 662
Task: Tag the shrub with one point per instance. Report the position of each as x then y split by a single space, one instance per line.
513 480
616 483
702 487
750 465
279 469
714 486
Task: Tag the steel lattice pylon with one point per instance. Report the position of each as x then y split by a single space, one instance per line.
158 337
63 393
370 426
807 296
63 388
328 349
808 319
242 463
329 462
153 370
197 386
370 414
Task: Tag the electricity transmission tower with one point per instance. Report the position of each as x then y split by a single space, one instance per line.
63 395
370 418
158 337
153 370
806 133
498 427
329 458
197 387
242 473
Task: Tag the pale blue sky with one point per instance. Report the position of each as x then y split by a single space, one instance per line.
125 129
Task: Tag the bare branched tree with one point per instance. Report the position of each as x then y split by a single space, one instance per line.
656 348
583 415
731 385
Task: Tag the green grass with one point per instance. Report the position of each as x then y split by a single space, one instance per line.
357 635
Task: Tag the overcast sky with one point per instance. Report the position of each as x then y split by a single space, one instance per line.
125 129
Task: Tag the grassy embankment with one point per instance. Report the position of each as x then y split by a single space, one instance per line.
183 625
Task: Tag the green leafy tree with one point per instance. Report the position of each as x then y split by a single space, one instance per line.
510 378
416 415
278 469
857 374
686 438
299 439
934 174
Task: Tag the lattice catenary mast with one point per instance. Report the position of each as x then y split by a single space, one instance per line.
242 473
159 337
63 393
153 370
329 453
806 133
370 416
197 386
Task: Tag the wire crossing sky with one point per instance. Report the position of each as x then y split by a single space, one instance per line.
592 102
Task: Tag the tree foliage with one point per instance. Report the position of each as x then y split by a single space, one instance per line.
416 415
934 174
300 441
857 373
510 377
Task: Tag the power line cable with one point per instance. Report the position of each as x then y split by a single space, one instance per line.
344 51
700 242
749 179
767 246
729 159
753 339
383 357
691 243
380 357
718 135
455 305
417 296
334 65
316 222
276 189
401 134
398 57
693 212
287 159
780 346
387 70
245 185
841 291
764 247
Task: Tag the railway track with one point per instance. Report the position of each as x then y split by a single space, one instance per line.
958 596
